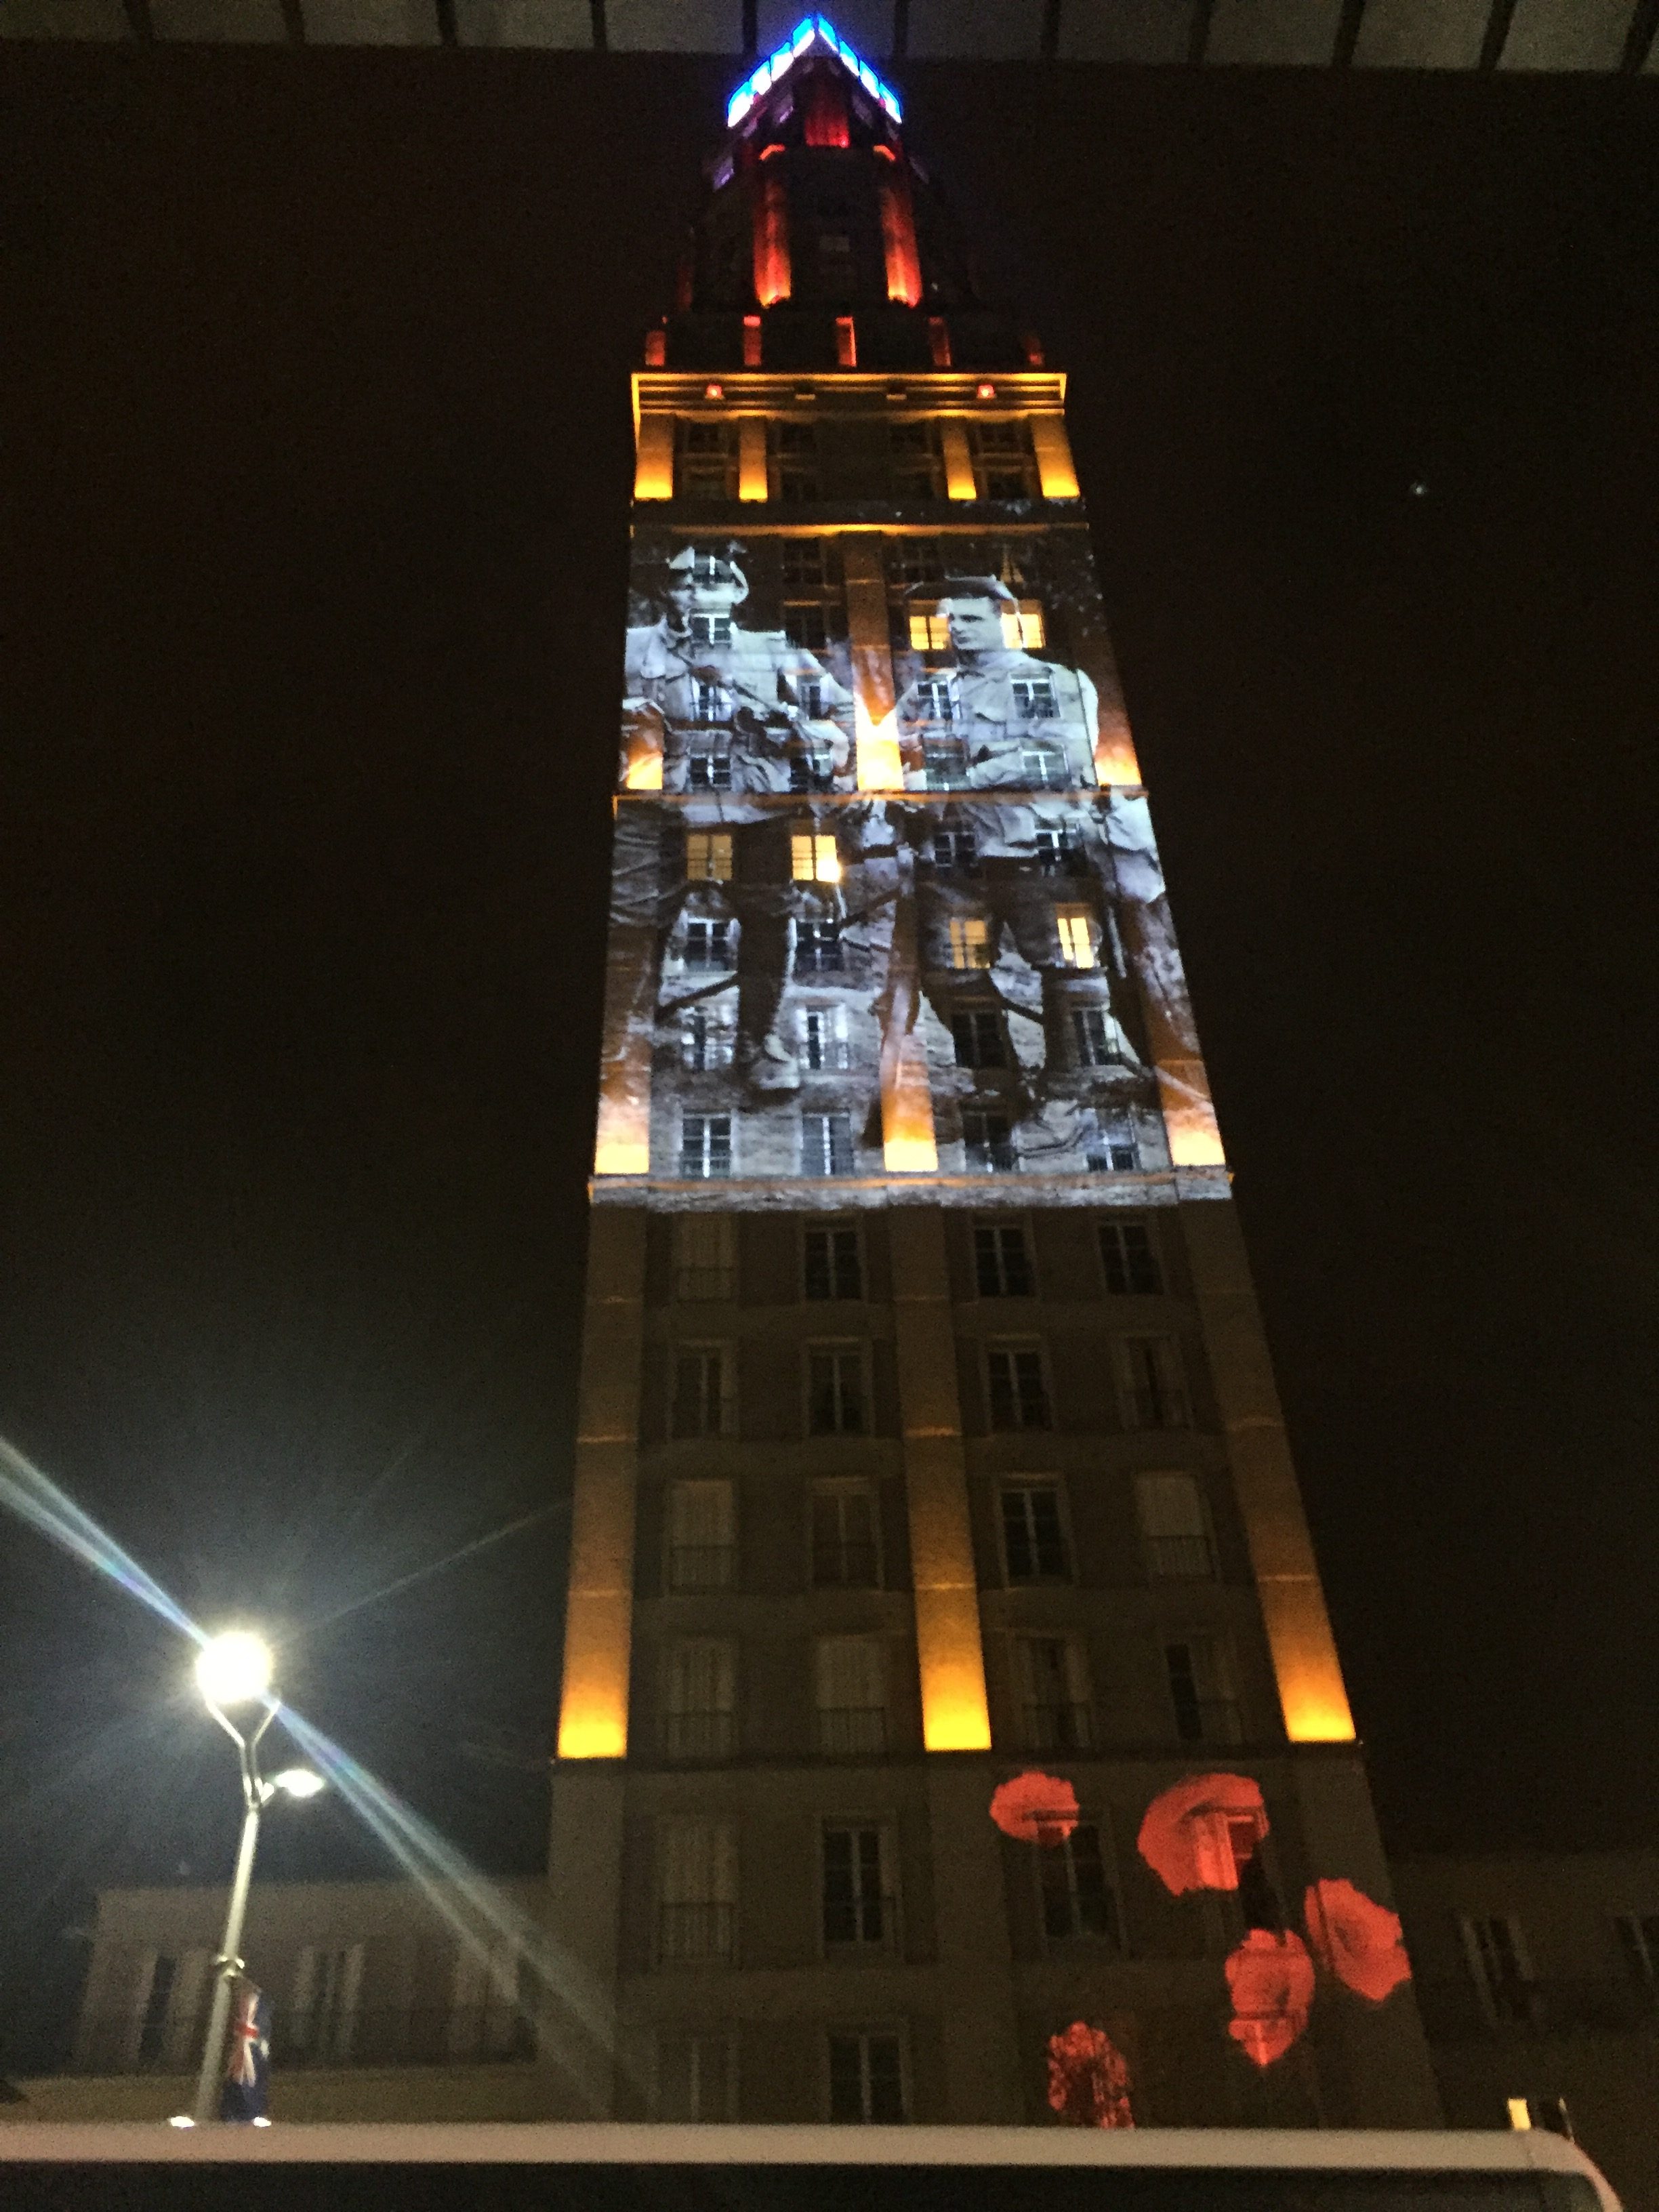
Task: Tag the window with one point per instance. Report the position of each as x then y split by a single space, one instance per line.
835 1392
697 2076
1024 628
702 1536
711 705
833 1261
327 1982
813 859
956 848
1033 698
1053 1693
1002 1262
166 2025
1175 1536
866 2077
915 467
805 625
1059 852
708 856
706 462
1077 944
857 1899
1638 1944
934 697
703 1404
1079 1900
700 1698
969 948
845 1551
823 1047
850 1679
705 1257
710 769
795 460
818 948
1200 1691
826 1144
915 560
696 1891
710 629
1018 1394
706 1039
1000 452
802 563
708 945
488 2015
977 1037
945 763
1154 1392
1096 1038
1113 1148
706 1146
1033 1539
1130 1260
988 1144
1496 1953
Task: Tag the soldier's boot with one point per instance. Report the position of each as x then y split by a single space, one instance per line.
769 1066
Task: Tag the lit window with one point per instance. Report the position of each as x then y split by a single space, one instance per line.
813 859
1129 1259
826 1144
1018 1394
866 2078
708 856
1022 626
706 1146
1002 1261
1077 944
968 947
1033 1536
930 632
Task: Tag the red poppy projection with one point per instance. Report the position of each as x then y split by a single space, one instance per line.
1356 1939
1089 2078
1197 1835
1271 1981
1035 1808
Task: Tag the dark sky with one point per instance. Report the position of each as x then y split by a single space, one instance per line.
316 463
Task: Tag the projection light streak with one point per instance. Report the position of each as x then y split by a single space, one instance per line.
437 1566
35 1498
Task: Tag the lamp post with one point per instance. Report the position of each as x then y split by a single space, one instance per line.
234 1671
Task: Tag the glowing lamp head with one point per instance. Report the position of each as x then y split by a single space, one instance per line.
234 1669
299 1782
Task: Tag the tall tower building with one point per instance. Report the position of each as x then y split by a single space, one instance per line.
950 1726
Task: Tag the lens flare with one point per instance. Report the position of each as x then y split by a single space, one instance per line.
34 1497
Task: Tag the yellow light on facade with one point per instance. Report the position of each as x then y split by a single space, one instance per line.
878 749
621 1156
1116 759
654 458
590 1733
1056 476
958 461
752 457
1519 2112
1189 1122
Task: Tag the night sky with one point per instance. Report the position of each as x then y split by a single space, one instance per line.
317 465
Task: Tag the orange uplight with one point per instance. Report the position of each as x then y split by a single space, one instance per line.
656 349
711 391
898 241
885 152
751 340
877 750
846 342
772 272
766 152
598 1733
1116 761
644 772
955 1715
938 341
985 392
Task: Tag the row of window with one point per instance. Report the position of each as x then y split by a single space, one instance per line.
865 2076
837 1400
698 1718
1512 1993
705 1259
708 943
1111 1143
701 1548
807 461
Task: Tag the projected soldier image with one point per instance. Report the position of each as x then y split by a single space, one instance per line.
711 706
986 713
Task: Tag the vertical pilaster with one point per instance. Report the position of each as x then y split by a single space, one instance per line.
958 461
870 644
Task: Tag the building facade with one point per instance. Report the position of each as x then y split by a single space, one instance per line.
928 1442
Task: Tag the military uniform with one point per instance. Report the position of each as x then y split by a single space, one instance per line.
1003 706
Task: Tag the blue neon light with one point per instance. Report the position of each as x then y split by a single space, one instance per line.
811 31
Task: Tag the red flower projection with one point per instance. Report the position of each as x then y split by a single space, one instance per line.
1197 1834
1088 2079
1035 1808
1271 1980
1356 1939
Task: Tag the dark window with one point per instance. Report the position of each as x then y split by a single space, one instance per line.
866 2078
1002 1263
1078 1901
1204 1711
916 469
804 624
916 560
1156 1392
711 630
845 1555
1002 463
826 1144
1033 698
956 848
1059 852
803 562
706 1146
794 461
1033 1539
1096 1038
1638 1941
1056 1717
711 703
699 1407
1114 1150
708 945
710 771
854 1908
706 465
818 948
152 2033
978 1039
1018 1398
834 1263
1130 1261
987 1143
835 1397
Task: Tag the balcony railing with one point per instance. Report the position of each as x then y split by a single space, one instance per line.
379 2036
699 1736
689 1935
1178 1558
1059 1727
846 1731
701 1567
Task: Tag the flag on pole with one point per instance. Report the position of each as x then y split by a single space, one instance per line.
245 2093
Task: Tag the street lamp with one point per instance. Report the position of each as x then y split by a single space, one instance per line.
233 1670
